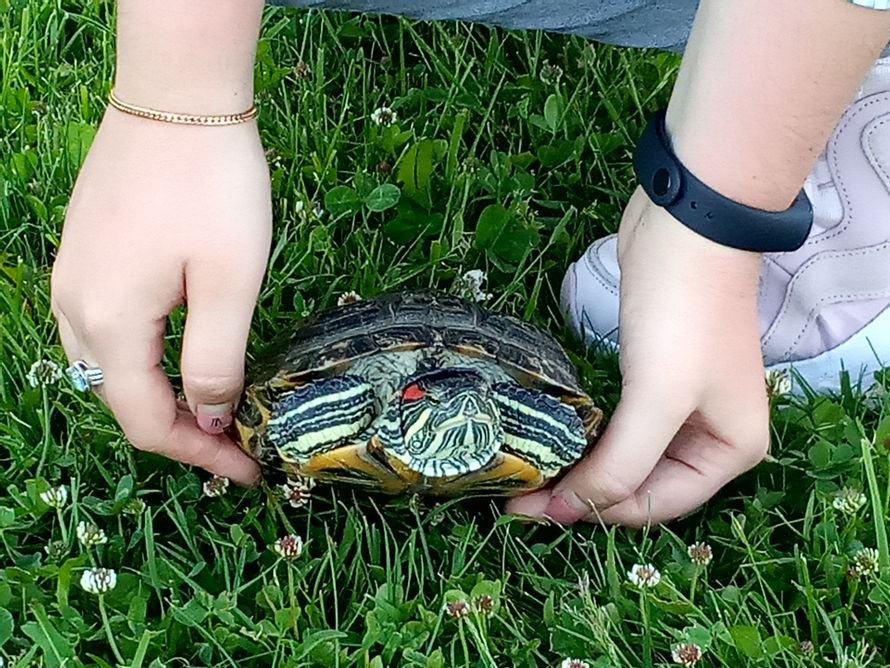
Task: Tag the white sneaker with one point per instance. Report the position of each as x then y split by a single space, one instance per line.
823 308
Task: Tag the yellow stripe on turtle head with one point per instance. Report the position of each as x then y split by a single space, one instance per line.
417 424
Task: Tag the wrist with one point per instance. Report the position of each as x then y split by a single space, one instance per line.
176 118
670 184
687 249
190 57
157 145
201 98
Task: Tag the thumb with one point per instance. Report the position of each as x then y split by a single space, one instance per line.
644 423
214 343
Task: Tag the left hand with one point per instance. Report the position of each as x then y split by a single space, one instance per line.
164 215
693 412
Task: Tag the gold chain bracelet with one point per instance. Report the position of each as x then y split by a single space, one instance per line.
183 119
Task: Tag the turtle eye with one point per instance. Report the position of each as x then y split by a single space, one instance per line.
413 392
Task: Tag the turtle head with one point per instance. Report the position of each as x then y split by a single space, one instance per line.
250 419
450 423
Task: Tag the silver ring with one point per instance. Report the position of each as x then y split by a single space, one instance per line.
84 377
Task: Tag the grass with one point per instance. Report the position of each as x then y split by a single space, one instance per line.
499 161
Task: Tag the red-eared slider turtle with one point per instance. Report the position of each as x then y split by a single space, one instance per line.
418 392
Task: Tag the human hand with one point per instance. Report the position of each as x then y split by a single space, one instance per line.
693 412
164 215
759 90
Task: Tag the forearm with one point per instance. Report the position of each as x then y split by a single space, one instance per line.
189 56
762 85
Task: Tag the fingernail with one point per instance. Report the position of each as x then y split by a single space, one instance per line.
564 511
214 418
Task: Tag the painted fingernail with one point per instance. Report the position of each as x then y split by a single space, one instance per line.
563 511
214 418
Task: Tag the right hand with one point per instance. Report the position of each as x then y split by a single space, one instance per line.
164 215
693 413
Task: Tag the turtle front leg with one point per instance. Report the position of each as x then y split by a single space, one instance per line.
540 428
320 416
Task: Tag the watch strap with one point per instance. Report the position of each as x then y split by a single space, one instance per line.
670 185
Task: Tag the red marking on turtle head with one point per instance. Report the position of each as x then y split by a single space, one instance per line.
413 392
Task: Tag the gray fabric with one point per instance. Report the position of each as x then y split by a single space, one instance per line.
660 24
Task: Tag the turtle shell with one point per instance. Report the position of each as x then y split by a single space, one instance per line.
331 342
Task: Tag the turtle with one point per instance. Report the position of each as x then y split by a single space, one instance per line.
418 392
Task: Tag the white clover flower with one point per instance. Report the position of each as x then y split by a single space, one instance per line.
288 547
297 492
866 561
348 298
484 604
574 663
384 116
89 534
686 654
778 383
134 506
550 73
458 609
216 486
56 550
55 497
644 575
849 500
472 285
44 372
304 482
98 580
806 647
700 553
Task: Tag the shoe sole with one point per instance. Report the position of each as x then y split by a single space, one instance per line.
862 355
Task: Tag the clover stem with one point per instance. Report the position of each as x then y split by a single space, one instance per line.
463 641
62 526
108 633
647 634
293 601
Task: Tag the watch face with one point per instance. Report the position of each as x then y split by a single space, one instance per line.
658 170
665 186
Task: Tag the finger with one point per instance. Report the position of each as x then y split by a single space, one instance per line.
214 344
140 396
695 468
67 337
76 350
147 412
533 504
644 423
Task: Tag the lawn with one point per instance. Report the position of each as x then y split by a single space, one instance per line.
509 154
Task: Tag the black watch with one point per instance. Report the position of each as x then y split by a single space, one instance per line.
670 185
